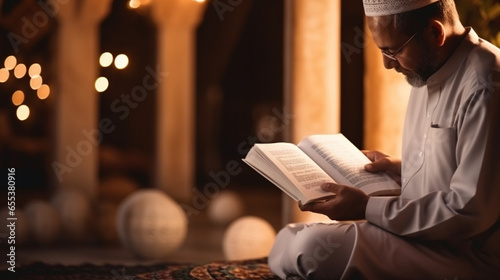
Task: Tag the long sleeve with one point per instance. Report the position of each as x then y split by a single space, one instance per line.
451 185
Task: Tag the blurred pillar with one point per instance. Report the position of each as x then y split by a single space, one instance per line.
386 96
312 76
177 21
77 132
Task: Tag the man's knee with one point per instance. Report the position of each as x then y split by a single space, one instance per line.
320 250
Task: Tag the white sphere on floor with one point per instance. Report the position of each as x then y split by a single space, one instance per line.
20 231
43 222
74 209
248 237
150 224
225 208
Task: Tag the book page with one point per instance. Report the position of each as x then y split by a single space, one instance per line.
290 169
345 163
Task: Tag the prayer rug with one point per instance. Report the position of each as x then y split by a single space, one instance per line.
250 269
247 269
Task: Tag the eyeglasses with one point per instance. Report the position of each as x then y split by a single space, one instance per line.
392 56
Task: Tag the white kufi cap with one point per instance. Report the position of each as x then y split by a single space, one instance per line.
392 7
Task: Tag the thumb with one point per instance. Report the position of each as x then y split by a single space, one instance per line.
329 187
377 166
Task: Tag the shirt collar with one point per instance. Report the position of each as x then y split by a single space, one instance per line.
454 61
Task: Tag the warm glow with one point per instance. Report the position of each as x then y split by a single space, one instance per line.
106 59
20 71
384 117
10 62
134 4
4 75
23 112
18 97
101 84
200 1
35 70
36 82
121 61
43 92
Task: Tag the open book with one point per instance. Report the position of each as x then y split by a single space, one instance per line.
299 170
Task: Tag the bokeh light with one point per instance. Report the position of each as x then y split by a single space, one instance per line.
43 92
101 84
121 61
23 112
18 97
10 62
35 70
20 71
4 75
36 82
134 4
106 59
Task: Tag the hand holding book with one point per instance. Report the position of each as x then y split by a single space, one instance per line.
384 163
348 203
300 170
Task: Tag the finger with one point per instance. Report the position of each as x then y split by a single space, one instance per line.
374 155
305 207
309 206
369 154
370 168
380 165
329 187
317 207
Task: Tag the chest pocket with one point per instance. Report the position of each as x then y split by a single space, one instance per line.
440 158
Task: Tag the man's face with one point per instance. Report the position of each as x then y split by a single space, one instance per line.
416 60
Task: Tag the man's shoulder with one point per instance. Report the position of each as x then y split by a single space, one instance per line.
482 67
485 56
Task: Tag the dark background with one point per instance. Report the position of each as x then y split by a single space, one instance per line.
239 81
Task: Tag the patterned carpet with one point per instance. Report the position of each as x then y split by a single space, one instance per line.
249 269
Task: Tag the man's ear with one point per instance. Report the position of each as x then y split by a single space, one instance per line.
437 33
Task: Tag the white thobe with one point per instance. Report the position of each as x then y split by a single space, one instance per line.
446 223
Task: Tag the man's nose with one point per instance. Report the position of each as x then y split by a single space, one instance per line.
389 63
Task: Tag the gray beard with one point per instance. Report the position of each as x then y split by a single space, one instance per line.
416 80
429 66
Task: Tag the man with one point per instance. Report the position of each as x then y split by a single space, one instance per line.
446 222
